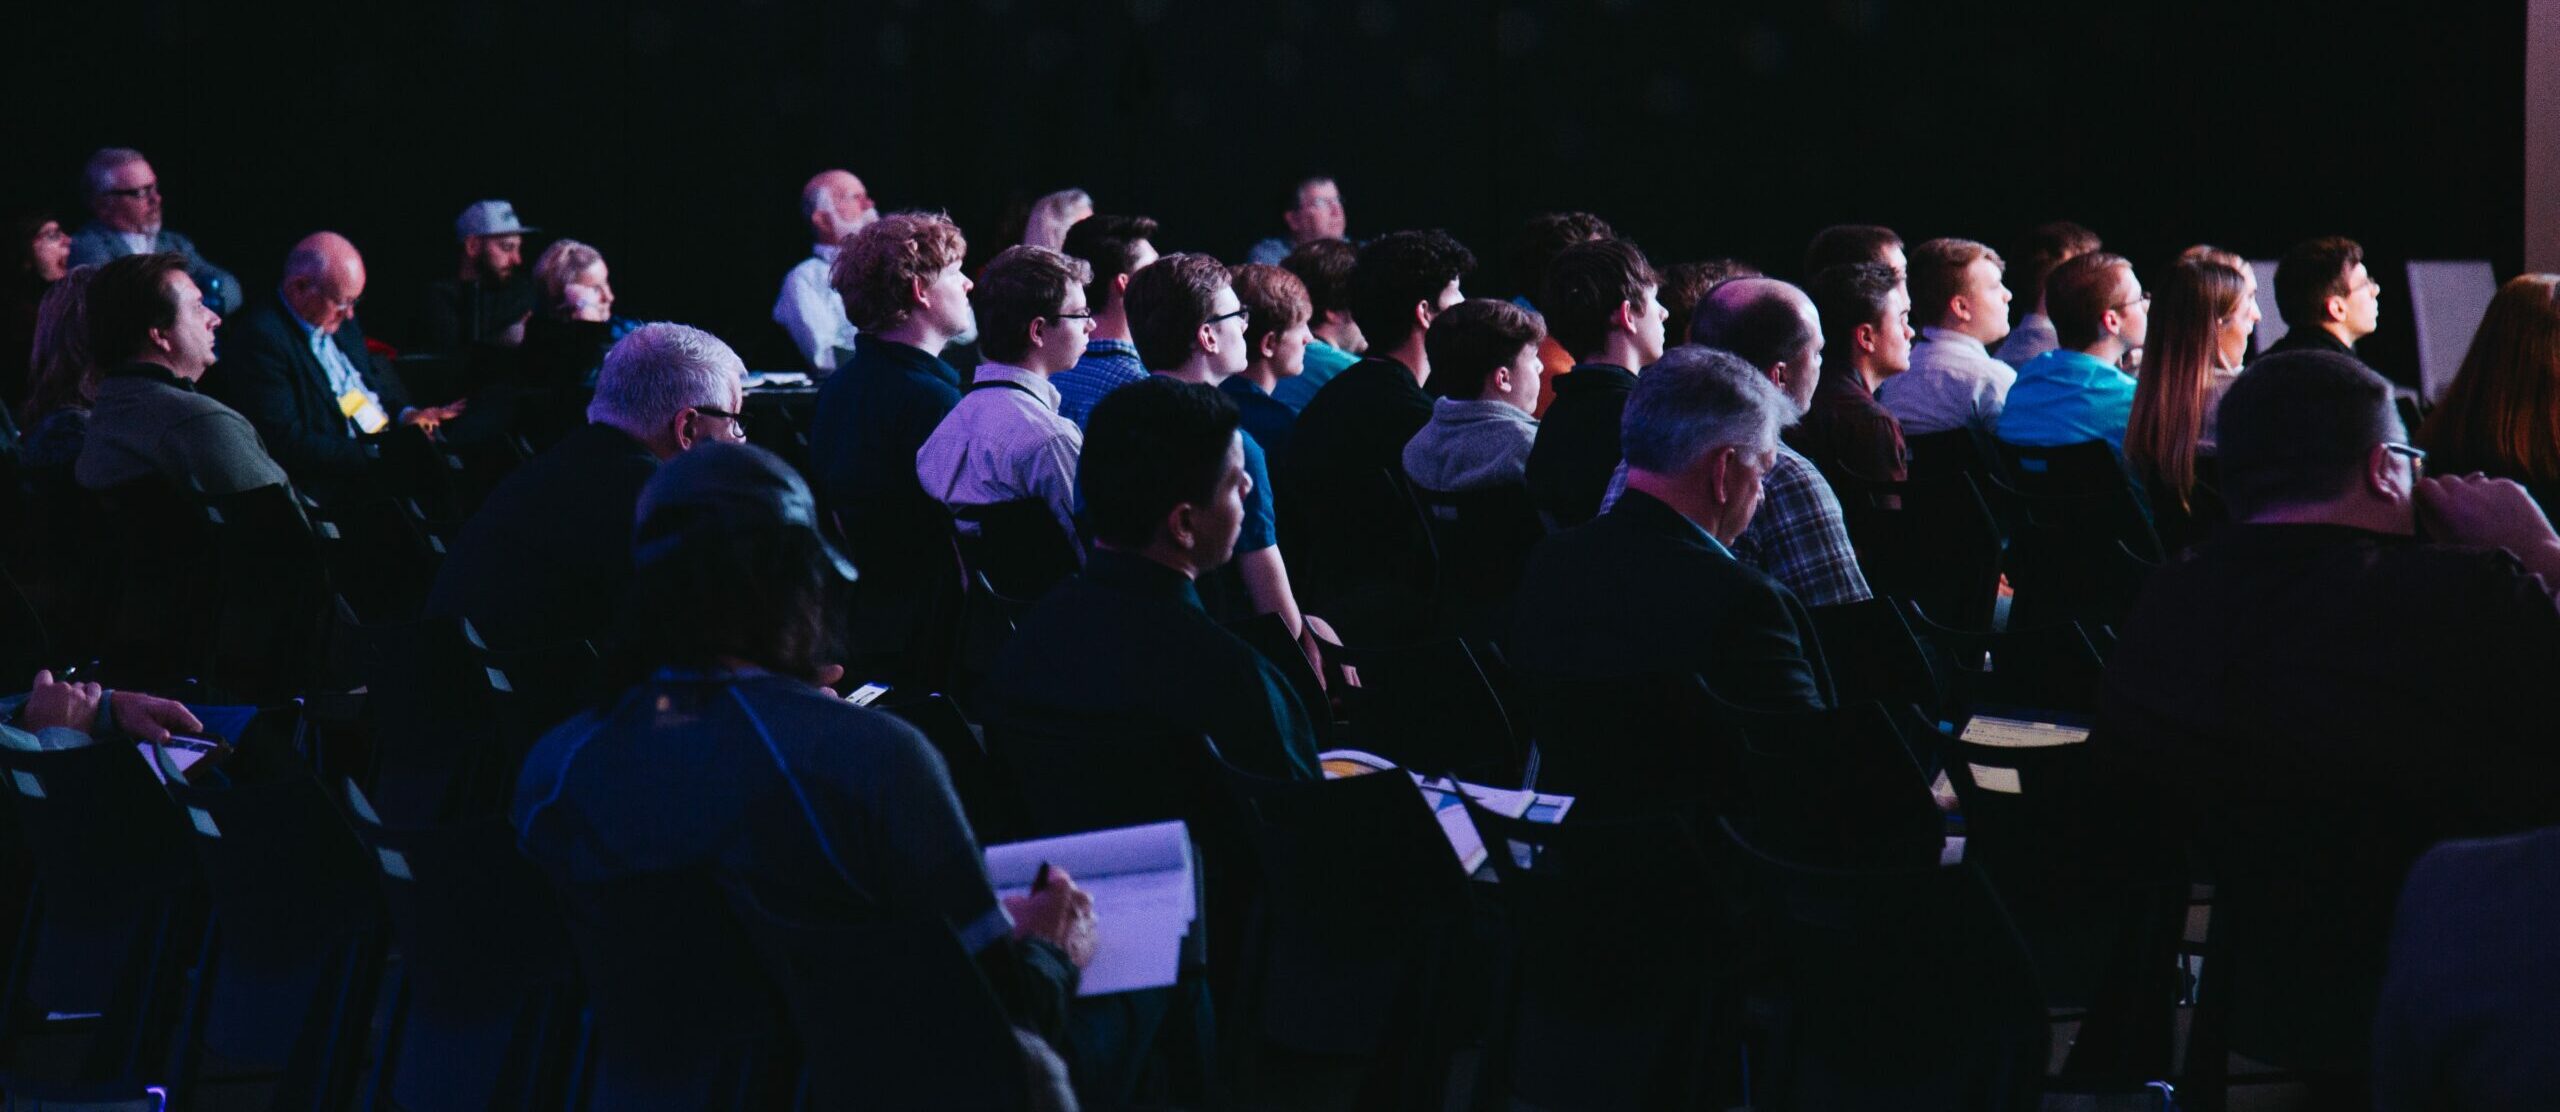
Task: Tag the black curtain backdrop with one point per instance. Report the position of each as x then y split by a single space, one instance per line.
674 136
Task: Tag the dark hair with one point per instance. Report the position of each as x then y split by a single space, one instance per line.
1544 237
1168 302
1273 298
1683 284
2177 374
878 266
1585 285
2298 427
1473 339
1110 245
21 229
1023 284
766 596
2078 294
1937 275
129 298
2312 273
1325 265
1150 446
1841 244
2502 414
1398 271
1761 326
1850 295
2047 247
60 372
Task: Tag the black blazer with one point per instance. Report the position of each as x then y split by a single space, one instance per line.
265 369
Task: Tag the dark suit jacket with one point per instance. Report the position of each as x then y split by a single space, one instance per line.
1641 590
547 556
1577 447
873 415
2471 1008
266 371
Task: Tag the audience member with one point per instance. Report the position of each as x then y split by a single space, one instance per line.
1125 649
2078 391
723 769
1603 306
2322 695
1484 355
2048 246
68 714
64 382
1684 283
1052 215
2198 332
1005 441
547 557
2327 298
150 327
297 367
835 205
491 296
1842 244
1116 247
125 199
2467 1019
2501 416
1866 323
574 323
1543 238
903 288
1336 342
1650 587
1276 313
1313 212
1798 537
45 260
1962 308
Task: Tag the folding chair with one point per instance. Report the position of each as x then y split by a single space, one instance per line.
1429 706
1840 787
1634 745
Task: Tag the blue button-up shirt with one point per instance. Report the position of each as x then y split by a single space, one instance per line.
342 373
1107 366
2064 397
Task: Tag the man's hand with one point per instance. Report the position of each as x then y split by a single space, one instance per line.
1060 913
2490 513
52 703
426 418
151 718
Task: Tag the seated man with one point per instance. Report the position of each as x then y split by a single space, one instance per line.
491 297
1006 442
124 194
1962 307
1651 587
2328 299
2076 392
1125 647
1335 341
2322 694
1603 301
1116 247
1314 214
297 367
1276 312
1866 323
149 325
2048 246
1842 244
836 205
546 558
1799 537
1481 437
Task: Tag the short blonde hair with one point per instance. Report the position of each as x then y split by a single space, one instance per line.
560 264
880 266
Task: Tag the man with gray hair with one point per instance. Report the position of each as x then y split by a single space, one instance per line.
546 558
1651 588
124 194
836 205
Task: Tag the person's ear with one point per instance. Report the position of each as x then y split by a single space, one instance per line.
160 340
1039 332
2336 307
1502 381
1269 347
1720 473
1961 308
1205 338
1627 317
1423 311
917 287
1120 285
2383 476
685 439
1865 336
1178 526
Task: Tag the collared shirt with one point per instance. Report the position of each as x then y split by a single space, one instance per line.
1953 383
2032 337
811 310
1799 537
1323 362
1471 444
2066 397
139 243
1269 252
1107 366
1004 442
344 382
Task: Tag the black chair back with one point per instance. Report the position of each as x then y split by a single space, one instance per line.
1840 787
1634 745
1874 655
1483 538
2095 493
1269 635
432 705
1019 546
275 603
381 560
1956 451
1068 780
2052 668
1932 539
984 797
1430 706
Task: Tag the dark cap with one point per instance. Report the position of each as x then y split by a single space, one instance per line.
722 489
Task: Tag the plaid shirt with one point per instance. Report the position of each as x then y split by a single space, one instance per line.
1107 366
1798 537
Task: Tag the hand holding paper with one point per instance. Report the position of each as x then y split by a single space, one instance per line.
1059 913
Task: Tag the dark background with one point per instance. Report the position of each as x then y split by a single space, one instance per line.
675 136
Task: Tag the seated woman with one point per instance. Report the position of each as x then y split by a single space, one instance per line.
564 344
2201 319
2501 416
725 773
44 256
62 384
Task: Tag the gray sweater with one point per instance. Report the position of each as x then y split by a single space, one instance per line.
1470 445
148 421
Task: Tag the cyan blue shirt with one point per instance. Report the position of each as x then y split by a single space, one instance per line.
1260 529
1107 366
2064 397
1323 362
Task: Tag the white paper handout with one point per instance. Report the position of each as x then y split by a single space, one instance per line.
1145 897
1445 807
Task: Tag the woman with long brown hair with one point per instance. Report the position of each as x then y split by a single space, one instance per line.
2201 317
2502 414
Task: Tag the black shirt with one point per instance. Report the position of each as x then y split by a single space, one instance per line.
456 314
1577 447
873 415
1346 452
548 555
2311 339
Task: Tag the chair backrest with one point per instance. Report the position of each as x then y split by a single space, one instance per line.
380 559
1068 780
2059 573
891 1015
2053 668
432 705
1960 450
984 797
1019 546
2271 325
1632 745
275 599
1269 635
156 587
1483 538
1932 539
2448 298
1430 706
1874 655
1842 787
685 1016
2084 487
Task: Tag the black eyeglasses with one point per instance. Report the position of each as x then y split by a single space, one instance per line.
137 192
1070 316
2416 456
2143 298
737 421
1245 315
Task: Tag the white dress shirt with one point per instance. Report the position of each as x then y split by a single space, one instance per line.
1953 382
812 311
1003 444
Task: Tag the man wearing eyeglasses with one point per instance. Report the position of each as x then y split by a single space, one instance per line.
2328 299
544 560
124 194
2078 392
1006 443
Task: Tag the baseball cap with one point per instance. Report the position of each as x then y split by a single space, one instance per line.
723 489
489 218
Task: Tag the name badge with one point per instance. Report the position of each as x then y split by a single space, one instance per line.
356 406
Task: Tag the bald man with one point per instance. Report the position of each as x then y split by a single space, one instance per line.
836 205
296 366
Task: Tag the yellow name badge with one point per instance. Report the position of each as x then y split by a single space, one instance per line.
364 411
